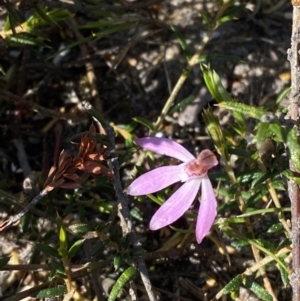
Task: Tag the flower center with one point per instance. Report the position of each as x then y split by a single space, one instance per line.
195 169
200 166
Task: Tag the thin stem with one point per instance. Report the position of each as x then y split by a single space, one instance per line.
17 217
293 188
124 214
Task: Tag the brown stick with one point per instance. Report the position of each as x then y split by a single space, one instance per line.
8 96
293 188
124 214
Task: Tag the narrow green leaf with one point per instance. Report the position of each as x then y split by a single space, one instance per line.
57 267
75 247
97 24
62 239
285 277
113 29
24 39
44 15
217 134
225 19
182 42
78 228
261 179
233 233
136 213
282 95
249 177
206 19
121 282
55 15
242 108
70 46
13 17
214 84
95 114
235 220
293 145
117 261
275 228
105 207
239 244
51 292
48 250
257 290
182 104
233 285
144 122
264 211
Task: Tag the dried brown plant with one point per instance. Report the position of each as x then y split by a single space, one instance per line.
89 159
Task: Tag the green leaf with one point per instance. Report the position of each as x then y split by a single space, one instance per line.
217 134
136 213
233 285
257 290
264 176
235 220
113 29
105 207
239 244
62 241
57 268
242 108
206 19
55 15
44 15
182 104
79 228
264 211
70 46
214 84
144 122
182 42
121 282
51 292
12 19
98 24
275 228
293 145
282 95
48 250
233 233
4 261
95 114
285 277
117 261
24 39
249 177
75 247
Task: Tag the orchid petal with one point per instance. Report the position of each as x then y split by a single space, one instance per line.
208 210
207 158
176 205
164 146
156 179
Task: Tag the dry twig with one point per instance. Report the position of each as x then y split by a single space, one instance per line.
124 214
293 188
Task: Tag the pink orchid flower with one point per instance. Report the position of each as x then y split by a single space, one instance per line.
193 172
